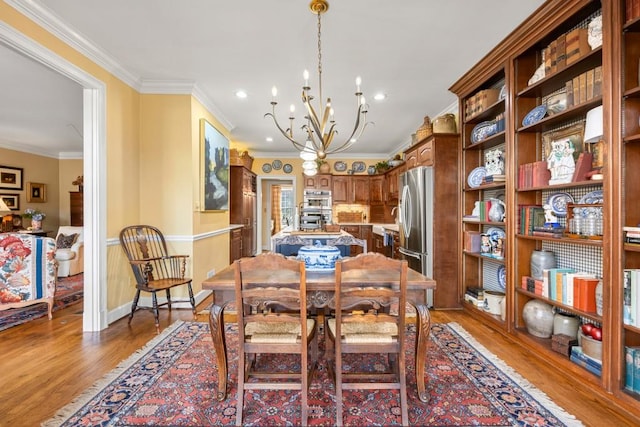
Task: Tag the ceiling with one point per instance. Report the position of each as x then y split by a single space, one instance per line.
412 51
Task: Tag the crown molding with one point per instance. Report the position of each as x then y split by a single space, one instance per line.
48 20
45 18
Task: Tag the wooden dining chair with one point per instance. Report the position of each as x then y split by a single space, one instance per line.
367 320
153 268
272 319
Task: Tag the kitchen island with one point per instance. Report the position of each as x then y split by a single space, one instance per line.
288 242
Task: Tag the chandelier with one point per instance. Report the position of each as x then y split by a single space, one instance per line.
319 130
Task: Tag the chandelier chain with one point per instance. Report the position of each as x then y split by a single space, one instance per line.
320 56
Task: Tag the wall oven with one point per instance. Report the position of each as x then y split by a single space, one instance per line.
315 210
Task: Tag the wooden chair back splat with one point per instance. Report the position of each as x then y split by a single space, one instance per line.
272 319
369 319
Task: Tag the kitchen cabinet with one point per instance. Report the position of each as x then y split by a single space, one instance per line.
242 206
235 245
355 231
318 182
391 179
350 189
376 190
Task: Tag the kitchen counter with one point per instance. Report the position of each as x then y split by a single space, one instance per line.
287 242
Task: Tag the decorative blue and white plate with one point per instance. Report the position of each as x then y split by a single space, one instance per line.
592 198
483 130
287 168
266 168
558 203
371 170
475 177
276 165
535 115
358 167
502 277
340 166
496 233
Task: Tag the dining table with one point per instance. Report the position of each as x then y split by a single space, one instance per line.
320 290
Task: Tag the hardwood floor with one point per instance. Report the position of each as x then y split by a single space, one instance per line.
45 364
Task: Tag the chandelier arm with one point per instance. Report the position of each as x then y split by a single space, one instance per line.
296 144
312 117
357 131
350 141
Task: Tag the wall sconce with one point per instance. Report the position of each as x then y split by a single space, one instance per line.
593 133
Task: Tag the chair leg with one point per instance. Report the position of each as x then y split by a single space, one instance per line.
191 298
134 305
156 312
338 382
169 299
240 385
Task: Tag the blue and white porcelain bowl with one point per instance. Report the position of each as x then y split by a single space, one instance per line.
319 257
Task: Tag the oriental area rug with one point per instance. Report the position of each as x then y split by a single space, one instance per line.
69 290
172 382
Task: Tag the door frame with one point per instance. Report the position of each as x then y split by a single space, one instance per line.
94 170
288 179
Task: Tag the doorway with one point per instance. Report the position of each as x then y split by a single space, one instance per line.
276 207
94 170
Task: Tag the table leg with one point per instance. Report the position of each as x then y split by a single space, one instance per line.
216 326
422 340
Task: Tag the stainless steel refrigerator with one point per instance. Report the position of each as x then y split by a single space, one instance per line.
415 220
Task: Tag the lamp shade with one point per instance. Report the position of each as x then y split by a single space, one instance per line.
3 207
593 126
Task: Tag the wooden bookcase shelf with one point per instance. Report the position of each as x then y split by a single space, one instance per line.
512 65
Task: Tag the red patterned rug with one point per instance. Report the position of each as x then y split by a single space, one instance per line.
69 290
172 382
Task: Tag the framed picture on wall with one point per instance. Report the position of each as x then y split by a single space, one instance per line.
36 192
10 178
12 201
214 149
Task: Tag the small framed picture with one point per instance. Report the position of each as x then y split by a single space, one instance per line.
36 192
12 201
10 178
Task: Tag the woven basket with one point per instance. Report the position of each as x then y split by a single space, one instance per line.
425 130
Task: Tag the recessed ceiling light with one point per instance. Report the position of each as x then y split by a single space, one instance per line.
379 96
269 139
241 94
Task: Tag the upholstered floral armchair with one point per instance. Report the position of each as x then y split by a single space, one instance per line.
27 270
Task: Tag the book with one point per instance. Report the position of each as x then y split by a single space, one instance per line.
636 371
579 358
576 90
583 167
561 52
627 317
576 44
582 88
589 83
570 288
629 354
597 81
569 92
586 293
633 285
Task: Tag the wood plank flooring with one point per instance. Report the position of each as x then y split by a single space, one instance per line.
45 364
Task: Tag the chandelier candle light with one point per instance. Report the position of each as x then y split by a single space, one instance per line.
319 130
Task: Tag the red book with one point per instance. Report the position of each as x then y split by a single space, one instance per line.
588 294
583 167
577 293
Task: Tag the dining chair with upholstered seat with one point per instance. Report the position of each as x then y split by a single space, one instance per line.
367 321
153 268
272 319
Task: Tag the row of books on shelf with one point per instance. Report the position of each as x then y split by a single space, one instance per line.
566 286
632 369
475 296
631 297
584 88
632 235
565 50
589 363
